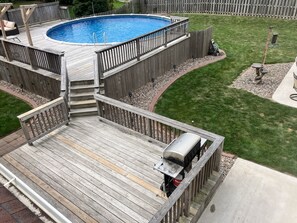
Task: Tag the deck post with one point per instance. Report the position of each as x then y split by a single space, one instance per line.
3 9
27 11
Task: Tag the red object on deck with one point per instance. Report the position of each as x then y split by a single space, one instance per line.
176 181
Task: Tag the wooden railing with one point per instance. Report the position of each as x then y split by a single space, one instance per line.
120 54
38 58
165 130
44 119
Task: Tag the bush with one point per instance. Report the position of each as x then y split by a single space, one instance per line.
84 7
66 2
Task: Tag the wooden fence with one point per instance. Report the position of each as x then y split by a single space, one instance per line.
120 54
44 119
271 8
165 130
38 58
43 13
119 83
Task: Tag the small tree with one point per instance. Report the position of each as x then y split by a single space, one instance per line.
86 7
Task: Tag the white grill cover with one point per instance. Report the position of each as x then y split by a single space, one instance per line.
180 147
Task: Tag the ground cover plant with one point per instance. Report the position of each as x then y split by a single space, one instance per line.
10 108
256 129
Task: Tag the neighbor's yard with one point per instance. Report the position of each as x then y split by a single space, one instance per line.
255 128
10 108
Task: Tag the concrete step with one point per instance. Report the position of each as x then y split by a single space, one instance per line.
82 104
82 82
83 112
81 96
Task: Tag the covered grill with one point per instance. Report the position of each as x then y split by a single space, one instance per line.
177 159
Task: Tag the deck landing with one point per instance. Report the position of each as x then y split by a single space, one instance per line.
92 172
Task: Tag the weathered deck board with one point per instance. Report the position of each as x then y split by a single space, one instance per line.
97 172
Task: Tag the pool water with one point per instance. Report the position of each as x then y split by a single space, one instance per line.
106 29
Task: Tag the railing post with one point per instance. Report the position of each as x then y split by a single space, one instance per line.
25 131
5 50
64 83
187 201
148 127
31 57
96 75
138 49
218 156
166 38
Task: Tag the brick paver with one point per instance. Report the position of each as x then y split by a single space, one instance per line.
11 209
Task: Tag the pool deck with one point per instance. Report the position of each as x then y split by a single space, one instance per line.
79 57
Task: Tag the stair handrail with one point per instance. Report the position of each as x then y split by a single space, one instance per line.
64 92
96 76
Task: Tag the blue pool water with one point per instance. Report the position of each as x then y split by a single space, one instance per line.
106 29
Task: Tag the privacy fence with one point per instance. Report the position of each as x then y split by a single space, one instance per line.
270 8
43 13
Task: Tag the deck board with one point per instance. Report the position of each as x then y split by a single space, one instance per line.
93 171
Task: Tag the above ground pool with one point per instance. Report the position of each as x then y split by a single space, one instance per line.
106 29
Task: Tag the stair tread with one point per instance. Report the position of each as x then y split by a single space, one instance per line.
73 94
80 110
76 87
83 102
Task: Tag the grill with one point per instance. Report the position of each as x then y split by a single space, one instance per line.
183 150
177 159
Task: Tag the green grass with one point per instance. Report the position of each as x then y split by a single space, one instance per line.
10 108
117 4
255 128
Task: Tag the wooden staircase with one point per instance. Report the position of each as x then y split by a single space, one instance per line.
81 98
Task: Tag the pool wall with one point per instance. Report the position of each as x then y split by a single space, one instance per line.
118 84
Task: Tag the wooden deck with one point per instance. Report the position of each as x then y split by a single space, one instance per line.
92 172
79 57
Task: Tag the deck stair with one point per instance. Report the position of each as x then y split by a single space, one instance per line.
81 98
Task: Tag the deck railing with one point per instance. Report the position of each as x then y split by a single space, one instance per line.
165 130
44 119
38 58
120 54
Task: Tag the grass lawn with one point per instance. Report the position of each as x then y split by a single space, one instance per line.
256 129
10 108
